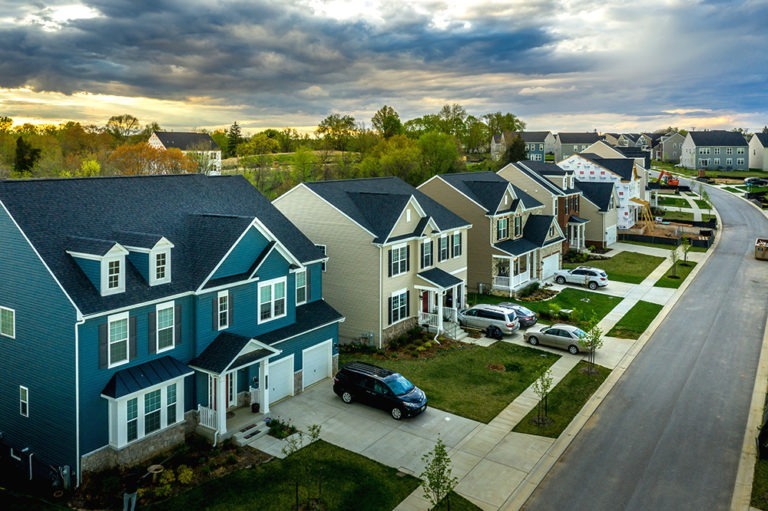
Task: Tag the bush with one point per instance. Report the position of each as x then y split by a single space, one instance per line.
279 428
184 474
528 290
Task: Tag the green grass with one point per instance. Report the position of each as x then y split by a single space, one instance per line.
631 267
674 216
565 401
673 201
702 204
760 485
732 189
349 481
635 321
453 379
659 245
683 269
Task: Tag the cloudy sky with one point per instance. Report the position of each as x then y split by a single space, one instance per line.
560 65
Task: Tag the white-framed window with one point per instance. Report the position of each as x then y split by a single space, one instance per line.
117 343
456 250
398 260
301 287
728 161
7 322
23 401
551 230
272 299
729 150
704 150
443 248
160 267
739 161
502 228
398 306
165 331
222 310
716 161
137 415
704 162
716 150
518 226
739 150
325 253
113 278
426 254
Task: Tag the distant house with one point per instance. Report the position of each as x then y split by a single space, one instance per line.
611 138
628 139
140 309
554 188
510 245
199 146
567 144
758 151
538 144
641 157
628 179
398 257
715 150
598 205
669 147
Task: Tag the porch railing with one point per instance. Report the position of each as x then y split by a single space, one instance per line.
509 283
428 319
450 314
207 417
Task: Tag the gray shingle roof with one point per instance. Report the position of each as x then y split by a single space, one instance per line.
377 203
487 189
532 137
763 138
187 141
578 138
597 193
623 167
534 236
718 138
201 215
440 278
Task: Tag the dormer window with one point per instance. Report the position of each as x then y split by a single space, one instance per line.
160 266
113 271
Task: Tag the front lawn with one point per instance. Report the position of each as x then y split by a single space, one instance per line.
661 245
471 381
635 321
680 274
630 267
564 401
338 478
702 204
760 485
676 202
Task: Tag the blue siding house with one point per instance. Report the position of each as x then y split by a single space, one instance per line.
135 309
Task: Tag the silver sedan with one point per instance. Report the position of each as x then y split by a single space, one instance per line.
558 336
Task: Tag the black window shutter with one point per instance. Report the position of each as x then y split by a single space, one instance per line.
308 283
440 250
177 325
215 309
460 244
132 337
390 310
432 252
389 266
151 334
423 257
407 258
450 250
231 306
407 303
103 362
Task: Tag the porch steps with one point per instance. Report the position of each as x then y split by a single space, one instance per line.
250 432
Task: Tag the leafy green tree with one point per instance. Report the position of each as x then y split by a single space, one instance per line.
397 156
439 154
305 165
453 120
26 157
541 388
122 126
414 128
515 150
387 122
686 248
220 137
336 130
591 342
437 479
89 168
478 136
234 138
499 123
5 123
260 143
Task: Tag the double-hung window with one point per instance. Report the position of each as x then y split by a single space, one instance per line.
426 254
7 322
444 248
146 412
160 267
222 310
152 411
23 401
113 274
301 287
272 299
398 260
502 229
117 347
165 326
456 251
518 226
398 306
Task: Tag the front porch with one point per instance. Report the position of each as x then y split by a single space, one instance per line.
512 273
440 301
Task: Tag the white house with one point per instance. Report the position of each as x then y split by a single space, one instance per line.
199 146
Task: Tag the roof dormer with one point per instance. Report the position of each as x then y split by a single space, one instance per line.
150 254
102 261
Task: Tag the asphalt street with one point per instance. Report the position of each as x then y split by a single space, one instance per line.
669 435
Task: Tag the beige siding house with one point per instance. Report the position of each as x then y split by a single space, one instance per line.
598 204
510 247
397 258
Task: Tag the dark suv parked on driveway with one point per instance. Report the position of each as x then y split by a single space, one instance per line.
379 387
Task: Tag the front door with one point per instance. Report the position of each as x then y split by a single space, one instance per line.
425 301
231 390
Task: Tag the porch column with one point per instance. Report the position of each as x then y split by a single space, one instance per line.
221 401
440 305
263 386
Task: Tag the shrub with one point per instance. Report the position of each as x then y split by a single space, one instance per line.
184 474
165 482
279 429
528 290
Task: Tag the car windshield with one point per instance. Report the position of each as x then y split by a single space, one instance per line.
524 311
579 332
399 385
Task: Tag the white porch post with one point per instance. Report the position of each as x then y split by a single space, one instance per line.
440 301
221 402
263 388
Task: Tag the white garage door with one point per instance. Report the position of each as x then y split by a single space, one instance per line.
317 363
281 379
549 265
610 235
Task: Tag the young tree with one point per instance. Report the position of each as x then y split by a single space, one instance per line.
590 343
26 156
673 256
515 151
436 479
686 248
234 138
293 444
386 121
541 388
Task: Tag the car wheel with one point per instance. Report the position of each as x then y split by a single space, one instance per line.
573 350
560 280
593 285
533 341
346 397
397 413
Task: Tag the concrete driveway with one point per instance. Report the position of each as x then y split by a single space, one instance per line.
369 431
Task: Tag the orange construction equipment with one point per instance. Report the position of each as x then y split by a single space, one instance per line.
665 178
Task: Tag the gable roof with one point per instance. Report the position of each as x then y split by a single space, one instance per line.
202 216
597 193
623 167
530 136
377 203
636 152
578 138
535 234
537 172
487 189
187 141
717 138
762 138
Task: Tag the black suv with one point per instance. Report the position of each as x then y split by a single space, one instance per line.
379 387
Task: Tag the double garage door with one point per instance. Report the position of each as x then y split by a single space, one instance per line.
317 366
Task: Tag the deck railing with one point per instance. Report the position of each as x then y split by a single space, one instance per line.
207 417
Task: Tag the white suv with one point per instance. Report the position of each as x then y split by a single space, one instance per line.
584 275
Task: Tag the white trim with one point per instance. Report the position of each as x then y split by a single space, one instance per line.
24 401
399 293
123 316
153 255
161 307
219 296
302 271
106 290
272 283
12 335
327 344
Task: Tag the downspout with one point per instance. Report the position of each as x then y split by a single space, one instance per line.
381 290
80 321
